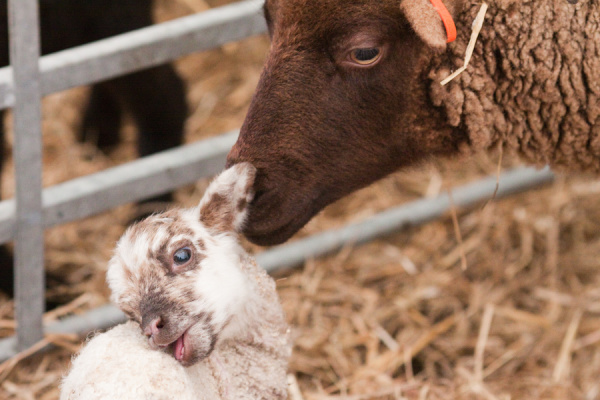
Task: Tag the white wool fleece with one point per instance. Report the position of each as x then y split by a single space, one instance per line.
119 364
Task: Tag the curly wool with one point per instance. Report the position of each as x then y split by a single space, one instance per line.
119 364
533 82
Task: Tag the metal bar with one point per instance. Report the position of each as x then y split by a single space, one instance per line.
99 318
29 245
293 254
394 219
142 48
136 180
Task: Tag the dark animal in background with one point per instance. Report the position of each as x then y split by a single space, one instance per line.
154 97
350 92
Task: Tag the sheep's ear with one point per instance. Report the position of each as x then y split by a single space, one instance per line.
223 207
426 22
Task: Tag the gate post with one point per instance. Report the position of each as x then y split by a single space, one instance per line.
29 240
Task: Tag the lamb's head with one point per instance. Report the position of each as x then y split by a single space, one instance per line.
178 274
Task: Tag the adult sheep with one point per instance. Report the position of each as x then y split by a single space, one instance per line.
351 92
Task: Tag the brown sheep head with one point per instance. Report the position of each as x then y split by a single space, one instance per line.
341 102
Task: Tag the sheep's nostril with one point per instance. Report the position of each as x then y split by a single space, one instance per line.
154 327
258 194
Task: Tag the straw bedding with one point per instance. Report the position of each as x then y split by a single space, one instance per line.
510 309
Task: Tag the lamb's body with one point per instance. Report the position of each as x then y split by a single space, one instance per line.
213 318
533 83
119 364
253 365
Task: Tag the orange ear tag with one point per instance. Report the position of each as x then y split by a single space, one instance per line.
446 19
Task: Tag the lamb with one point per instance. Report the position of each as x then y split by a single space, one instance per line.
208 322
351 92
155 97
119 364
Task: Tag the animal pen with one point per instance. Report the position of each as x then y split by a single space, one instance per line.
24 218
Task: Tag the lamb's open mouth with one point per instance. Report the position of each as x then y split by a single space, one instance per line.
182 349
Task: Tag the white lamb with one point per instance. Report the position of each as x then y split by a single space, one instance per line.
208 321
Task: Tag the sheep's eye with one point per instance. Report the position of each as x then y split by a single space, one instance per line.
182 256
365 56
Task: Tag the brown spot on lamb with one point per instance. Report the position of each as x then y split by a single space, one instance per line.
350 92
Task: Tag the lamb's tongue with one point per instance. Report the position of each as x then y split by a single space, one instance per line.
179 349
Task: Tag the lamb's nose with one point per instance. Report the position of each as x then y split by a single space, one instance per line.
153 327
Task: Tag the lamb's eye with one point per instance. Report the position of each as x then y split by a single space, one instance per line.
182 256
365 56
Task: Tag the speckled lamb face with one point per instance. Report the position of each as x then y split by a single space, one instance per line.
178 273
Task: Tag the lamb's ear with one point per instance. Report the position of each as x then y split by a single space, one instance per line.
223 207
426 22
